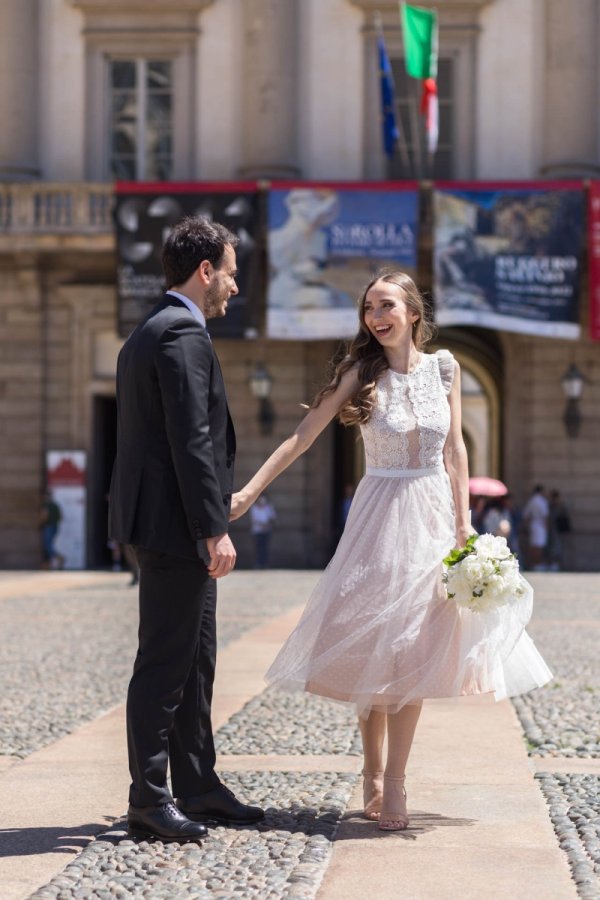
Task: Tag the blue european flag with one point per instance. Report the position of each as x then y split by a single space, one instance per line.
391 134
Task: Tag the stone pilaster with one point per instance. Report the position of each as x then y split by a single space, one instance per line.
571 81
270 103
18 90
21 410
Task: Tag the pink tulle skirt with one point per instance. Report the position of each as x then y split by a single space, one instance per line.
378 630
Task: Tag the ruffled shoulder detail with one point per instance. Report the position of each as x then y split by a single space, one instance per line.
447 366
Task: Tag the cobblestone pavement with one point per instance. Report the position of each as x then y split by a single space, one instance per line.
574 804
285 856
70 637
562 720
66 656
277 723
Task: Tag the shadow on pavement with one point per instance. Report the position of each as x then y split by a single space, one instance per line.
354 827
50 839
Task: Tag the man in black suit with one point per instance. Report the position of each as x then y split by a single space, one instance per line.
170 498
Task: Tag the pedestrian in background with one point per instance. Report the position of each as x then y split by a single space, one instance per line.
558 525
262 519
124 553
514 515
478 506
536 513
49 523
495 519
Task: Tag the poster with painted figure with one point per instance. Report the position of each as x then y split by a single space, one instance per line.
508 256
324 242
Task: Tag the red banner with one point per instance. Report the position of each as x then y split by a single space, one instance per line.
594 251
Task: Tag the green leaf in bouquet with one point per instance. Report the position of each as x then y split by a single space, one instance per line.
458 554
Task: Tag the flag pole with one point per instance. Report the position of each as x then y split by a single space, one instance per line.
413 108
415 102
417 94
402 145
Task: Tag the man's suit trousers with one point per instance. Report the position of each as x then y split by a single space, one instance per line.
170 693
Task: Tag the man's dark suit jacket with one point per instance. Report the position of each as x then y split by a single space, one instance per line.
173 474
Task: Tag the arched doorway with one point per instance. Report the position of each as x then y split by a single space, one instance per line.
476 424
480 357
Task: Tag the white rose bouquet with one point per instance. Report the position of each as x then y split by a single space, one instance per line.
483 575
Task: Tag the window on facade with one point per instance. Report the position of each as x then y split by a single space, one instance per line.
141 113
410 121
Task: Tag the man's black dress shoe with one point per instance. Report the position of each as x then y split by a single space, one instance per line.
165 822
220 805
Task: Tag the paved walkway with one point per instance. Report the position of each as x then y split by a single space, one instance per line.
479 822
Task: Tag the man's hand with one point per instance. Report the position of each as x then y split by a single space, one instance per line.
222 555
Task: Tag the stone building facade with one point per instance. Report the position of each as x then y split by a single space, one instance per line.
272 89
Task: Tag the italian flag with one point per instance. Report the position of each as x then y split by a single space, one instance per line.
420 34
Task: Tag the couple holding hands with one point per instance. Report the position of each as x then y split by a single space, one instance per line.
378 631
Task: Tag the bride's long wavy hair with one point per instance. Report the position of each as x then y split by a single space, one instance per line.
366 353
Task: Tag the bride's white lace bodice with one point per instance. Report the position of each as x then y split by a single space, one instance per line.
411 417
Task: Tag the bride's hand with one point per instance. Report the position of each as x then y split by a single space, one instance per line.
239 506
462 534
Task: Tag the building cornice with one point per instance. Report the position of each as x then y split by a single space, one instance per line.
121 19
442 6
146 7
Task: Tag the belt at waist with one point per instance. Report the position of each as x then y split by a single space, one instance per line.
404 473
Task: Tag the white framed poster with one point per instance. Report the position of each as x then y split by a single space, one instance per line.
66 480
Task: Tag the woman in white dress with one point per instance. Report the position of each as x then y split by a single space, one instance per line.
378 630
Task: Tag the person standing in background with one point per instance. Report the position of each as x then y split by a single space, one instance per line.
514 516
49 522
535 515
558 524
478 506
262 519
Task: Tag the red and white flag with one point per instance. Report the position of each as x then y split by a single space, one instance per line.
431 111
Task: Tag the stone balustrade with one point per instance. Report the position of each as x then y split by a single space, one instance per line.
35 208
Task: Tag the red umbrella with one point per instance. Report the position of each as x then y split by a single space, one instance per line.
483 486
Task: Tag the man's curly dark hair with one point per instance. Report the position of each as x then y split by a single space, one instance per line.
191 241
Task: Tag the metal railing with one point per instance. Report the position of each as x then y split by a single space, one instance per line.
35 207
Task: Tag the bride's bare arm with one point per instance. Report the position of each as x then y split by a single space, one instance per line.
308 430
456 462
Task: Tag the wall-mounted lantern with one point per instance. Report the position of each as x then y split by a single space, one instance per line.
572 384
260 385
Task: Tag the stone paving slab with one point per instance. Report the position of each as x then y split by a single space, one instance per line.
478 821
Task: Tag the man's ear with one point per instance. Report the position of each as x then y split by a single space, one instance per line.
204 271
